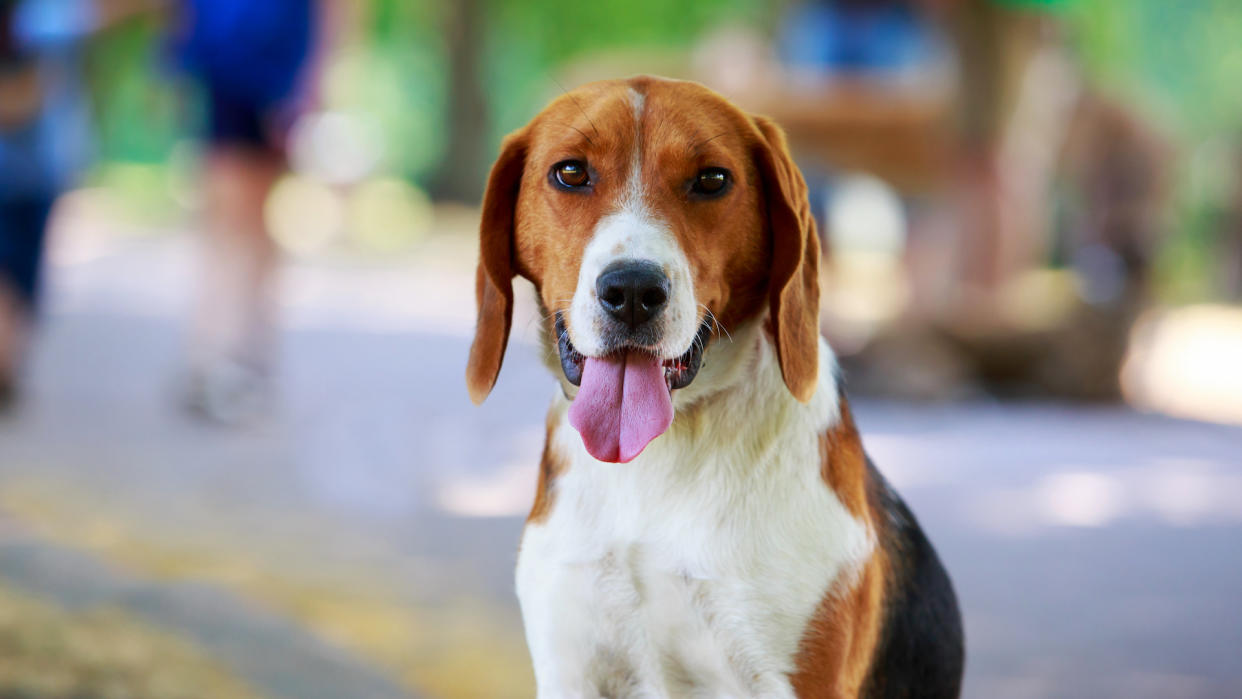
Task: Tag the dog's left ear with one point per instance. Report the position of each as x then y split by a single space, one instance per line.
494 276
793 292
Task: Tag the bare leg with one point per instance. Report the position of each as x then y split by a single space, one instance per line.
234 311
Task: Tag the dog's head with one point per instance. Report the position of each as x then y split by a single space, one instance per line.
647 213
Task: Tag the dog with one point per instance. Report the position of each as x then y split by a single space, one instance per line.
706 522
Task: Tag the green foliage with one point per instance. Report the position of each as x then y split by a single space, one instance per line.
139 112
1182 63
394 73
1183 59
529 40
563 30
400 89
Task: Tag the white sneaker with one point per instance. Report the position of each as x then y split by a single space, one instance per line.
229 393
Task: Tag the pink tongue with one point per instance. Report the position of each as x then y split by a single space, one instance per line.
622 404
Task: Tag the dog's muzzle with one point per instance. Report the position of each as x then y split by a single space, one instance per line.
679 372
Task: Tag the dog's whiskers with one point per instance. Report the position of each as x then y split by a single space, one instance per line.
548 316
715 321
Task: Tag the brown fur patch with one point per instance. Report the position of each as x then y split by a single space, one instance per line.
551 466
844 464
840 641
838 644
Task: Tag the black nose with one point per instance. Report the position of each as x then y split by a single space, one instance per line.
632 292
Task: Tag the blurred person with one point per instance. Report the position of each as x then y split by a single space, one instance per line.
888 44
251 60
884 40
44 143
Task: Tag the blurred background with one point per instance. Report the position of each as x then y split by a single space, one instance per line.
237 244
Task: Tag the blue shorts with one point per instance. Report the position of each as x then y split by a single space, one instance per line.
236 122
249 56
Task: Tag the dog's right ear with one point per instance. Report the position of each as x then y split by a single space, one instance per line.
494 277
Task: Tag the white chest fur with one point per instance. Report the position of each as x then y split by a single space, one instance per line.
694 570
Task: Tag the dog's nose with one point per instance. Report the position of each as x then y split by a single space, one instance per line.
632 292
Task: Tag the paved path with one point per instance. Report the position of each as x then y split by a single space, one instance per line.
272 654
371 523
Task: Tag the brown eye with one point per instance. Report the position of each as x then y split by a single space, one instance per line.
571 174
711 181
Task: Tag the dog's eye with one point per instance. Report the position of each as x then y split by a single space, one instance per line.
571 174
711 181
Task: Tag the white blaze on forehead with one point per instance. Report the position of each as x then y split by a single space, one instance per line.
634 232
635 196
637 101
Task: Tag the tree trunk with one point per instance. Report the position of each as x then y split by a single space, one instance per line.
463 167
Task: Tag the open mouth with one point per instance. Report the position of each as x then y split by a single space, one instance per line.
679 372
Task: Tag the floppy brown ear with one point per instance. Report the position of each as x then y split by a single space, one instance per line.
793 292
494 277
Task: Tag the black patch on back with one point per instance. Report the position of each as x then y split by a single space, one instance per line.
920 651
